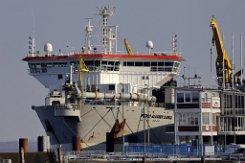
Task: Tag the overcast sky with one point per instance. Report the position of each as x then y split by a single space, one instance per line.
62 21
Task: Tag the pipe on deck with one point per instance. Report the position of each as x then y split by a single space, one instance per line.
127 96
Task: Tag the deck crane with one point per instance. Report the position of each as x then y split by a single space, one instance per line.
128 47
221 57
81 68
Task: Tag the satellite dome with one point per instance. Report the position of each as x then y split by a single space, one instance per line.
149 44
48 48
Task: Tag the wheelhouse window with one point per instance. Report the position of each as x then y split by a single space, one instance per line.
103 65
38 67
160 66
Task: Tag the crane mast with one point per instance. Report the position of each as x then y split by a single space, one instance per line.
223 64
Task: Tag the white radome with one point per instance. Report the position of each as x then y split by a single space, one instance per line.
149 44
48 47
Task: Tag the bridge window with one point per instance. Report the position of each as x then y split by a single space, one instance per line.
103 65
147 64
155 66
153 63
138 64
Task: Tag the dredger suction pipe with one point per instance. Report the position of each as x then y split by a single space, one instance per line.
127 96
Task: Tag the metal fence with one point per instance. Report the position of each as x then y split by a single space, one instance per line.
188 150
164 152
185 149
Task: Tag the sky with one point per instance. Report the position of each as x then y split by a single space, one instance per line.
61 22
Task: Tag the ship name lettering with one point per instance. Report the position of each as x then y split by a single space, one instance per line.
158 116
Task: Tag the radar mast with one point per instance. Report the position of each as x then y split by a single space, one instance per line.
106 12
88 38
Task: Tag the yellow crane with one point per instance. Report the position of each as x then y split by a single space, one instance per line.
128 47
81 68
221 56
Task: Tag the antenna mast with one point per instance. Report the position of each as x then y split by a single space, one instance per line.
174 44
105 12
88 38
233 61
32 46
241 60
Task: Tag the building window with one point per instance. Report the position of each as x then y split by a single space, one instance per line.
111 87
214 119
205 118
187 97
188 119
195 97
60 76
196 119
182 119
180 97
192 119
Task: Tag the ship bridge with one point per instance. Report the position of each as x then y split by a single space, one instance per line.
106 71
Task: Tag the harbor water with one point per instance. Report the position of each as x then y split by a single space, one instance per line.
13 146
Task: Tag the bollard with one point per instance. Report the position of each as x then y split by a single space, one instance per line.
202 159
76 143
60 155
23 143
23 148
109 142
43 143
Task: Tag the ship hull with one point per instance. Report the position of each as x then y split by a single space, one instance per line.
131 124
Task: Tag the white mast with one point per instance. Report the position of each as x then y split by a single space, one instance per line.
174 44
241 60
233 61
32 46
88 38
105 13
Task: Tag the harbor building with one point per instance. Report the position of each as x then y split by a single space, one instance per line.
232 117
196 114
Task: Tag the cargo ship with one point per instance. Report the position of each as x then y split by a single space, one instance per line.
104 97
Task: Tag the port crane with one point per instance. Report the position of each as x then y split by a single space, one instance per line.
223 64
